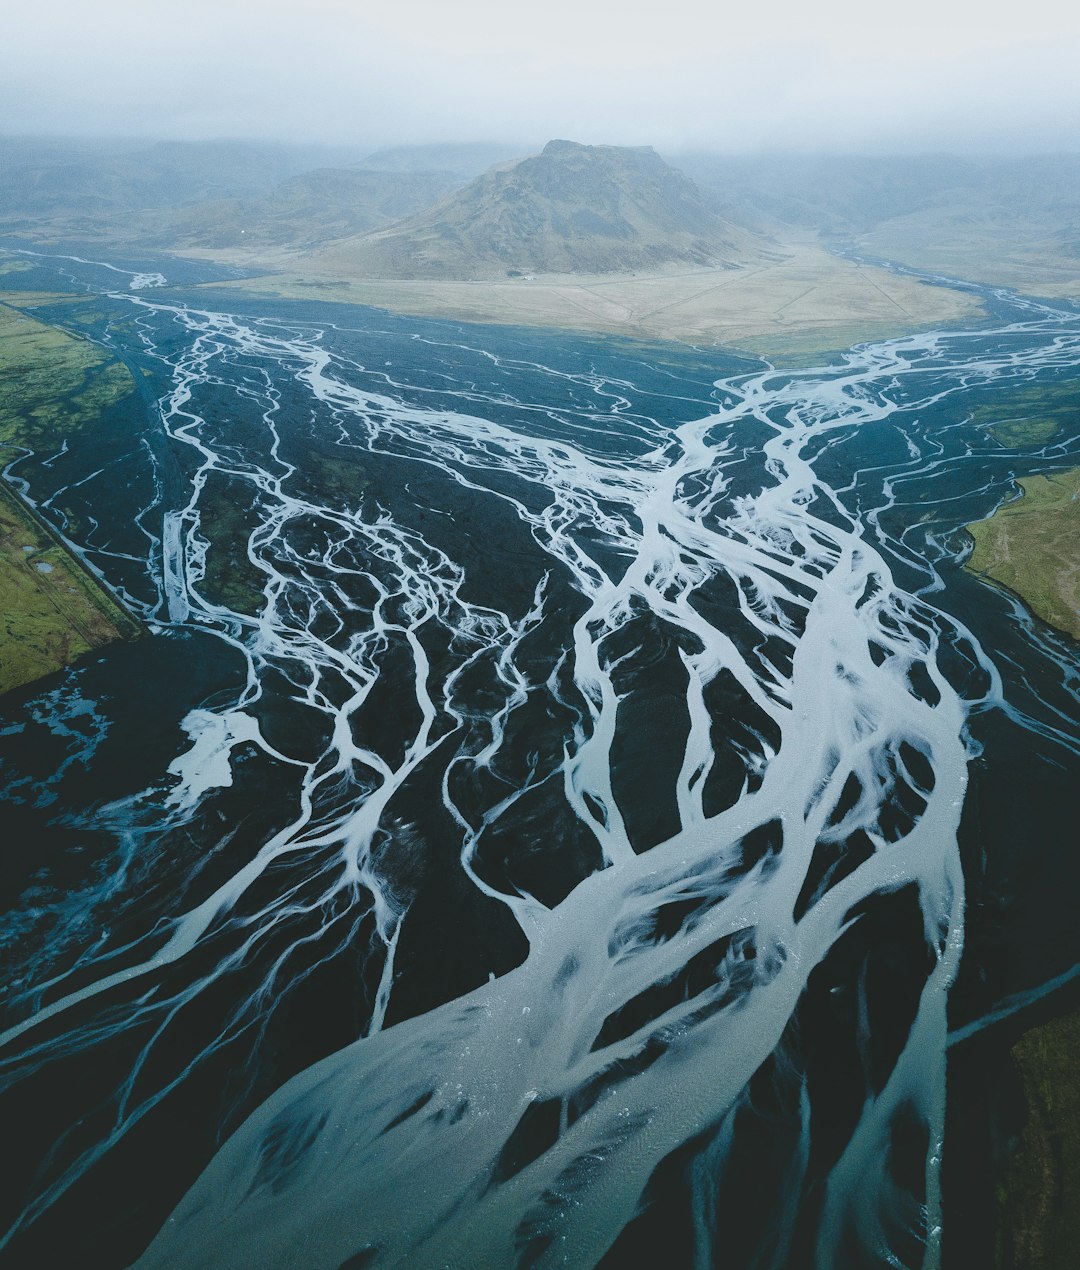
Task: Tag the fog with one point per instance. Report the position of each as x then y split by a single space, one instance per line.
838 75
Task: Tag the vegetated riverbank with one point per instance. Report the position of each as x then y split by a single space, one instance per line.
1029 546
52 608
1029 543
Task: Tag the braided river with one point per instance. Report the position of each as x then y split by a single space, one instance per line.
570 807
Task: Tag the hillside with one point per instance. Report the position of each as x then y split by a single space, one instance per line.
571 209
999 220
73 183
312 208
207 195
593 238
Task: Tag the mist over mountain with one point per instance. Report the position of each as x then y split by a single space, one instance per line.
852 194
327 203
439 211
571 209
1012 220
181 195
44 177
464 160
313 208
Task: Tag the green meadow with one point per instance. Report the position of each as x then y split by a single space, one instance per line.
52 610
1029 546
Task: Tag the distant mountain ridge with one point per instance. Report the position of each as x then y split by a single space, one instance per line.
465 160
312 208
570 209
42 177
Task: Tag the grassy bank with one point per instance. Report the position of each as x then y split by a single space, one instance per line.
1030 546
52 610
1027 414
55 385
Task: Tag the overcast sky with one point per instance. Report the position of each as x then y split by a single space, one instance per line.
830 74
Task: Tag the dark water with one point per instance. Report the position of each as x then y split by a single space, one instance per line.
574 782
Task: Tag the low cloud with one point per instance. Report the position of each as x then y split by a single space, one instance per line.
837 75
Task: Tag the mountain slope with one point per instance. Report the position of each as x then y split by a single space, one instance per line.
43 178
170 193
315 207
993 219
571 209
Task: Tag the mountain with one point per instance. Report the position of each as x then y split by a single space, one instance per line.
995 219
571 209
182 195
44 177
316 207
837 194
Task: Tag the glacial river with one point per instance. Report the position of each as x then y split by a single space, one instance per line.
570 806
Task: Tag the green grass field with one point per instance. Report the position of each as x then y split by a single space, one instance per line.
1029 414
1030 546
52 610
54 384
